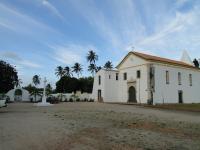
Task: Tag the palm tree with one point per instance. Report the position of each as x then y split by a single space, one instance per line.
67 71
18 82
108 65
36 81
60 72
77 69
98 68
48 89
92 57
35 91
92 68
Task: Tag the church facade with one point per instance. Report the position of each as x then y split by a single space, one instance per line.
142 78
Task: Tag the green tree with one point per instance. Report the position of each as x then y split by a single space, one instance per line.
49 89
98 68
68 71
92 57
8 77
33 91
36 81
108 65
196 63
77 69
18 82
92 68
60 72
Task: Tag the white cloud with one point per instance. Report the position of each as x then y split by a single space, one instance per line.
70 53
10 55
53 9
31 64
178 24
12 19
19 61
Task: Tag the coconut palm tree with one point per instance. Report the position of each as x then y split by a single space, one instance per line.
92 68
36 81
77 69
49 89
68 71
18 82
108 65
98 68
92 57
60 72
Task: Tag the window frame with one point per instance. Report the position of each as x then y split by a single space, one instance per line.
138 74
117 76
179 78
99 80
167 76
190 79
125 75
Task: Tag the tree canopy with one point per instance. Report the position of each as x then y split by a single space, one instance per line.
196 63
8 77
72 84
108 65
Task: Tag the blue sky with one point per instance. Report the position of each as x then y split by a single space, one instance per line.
38 35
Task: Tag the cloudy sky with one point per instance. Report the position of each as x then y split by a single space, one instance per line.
38 35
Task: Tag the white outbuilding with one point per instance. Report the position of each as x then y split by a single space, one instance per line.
142 78
18 94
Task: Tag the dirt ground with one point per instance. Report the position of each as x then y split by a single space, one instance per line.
96 126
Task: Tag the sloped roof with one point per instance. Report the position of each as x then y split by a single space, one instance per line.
157 59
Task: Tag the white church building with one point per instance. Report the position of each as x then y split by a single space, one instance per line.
142 78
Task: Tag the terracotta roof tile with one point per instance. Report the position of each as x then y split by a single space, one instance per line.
160 59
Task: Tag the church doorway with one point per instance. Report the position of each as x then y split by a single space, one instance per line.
99 96
132 95
18 95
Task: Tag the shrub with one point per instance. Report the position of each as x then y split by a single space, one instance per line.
71 99
53 100
91 100
78 99
85 100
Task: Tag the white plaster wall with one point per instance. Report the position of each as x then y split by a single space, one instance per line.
168 93
141 84
131 65
131 61
111 86
25 94
117 90
96 85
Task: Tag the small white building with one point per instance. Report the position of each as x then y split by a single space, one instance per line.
140 78
18 94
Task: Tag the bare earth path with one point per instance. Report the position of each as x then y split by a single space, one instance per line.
89 126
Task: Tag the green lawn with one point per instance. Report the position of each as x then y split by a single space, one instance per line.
185 107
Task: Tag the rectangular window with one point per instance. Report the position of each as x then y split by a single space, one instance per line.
179 78
190 79
99 80
117 76
125 76
138 74
167 77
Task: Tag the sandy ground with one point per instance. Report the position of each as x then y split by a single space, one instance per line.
93 126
